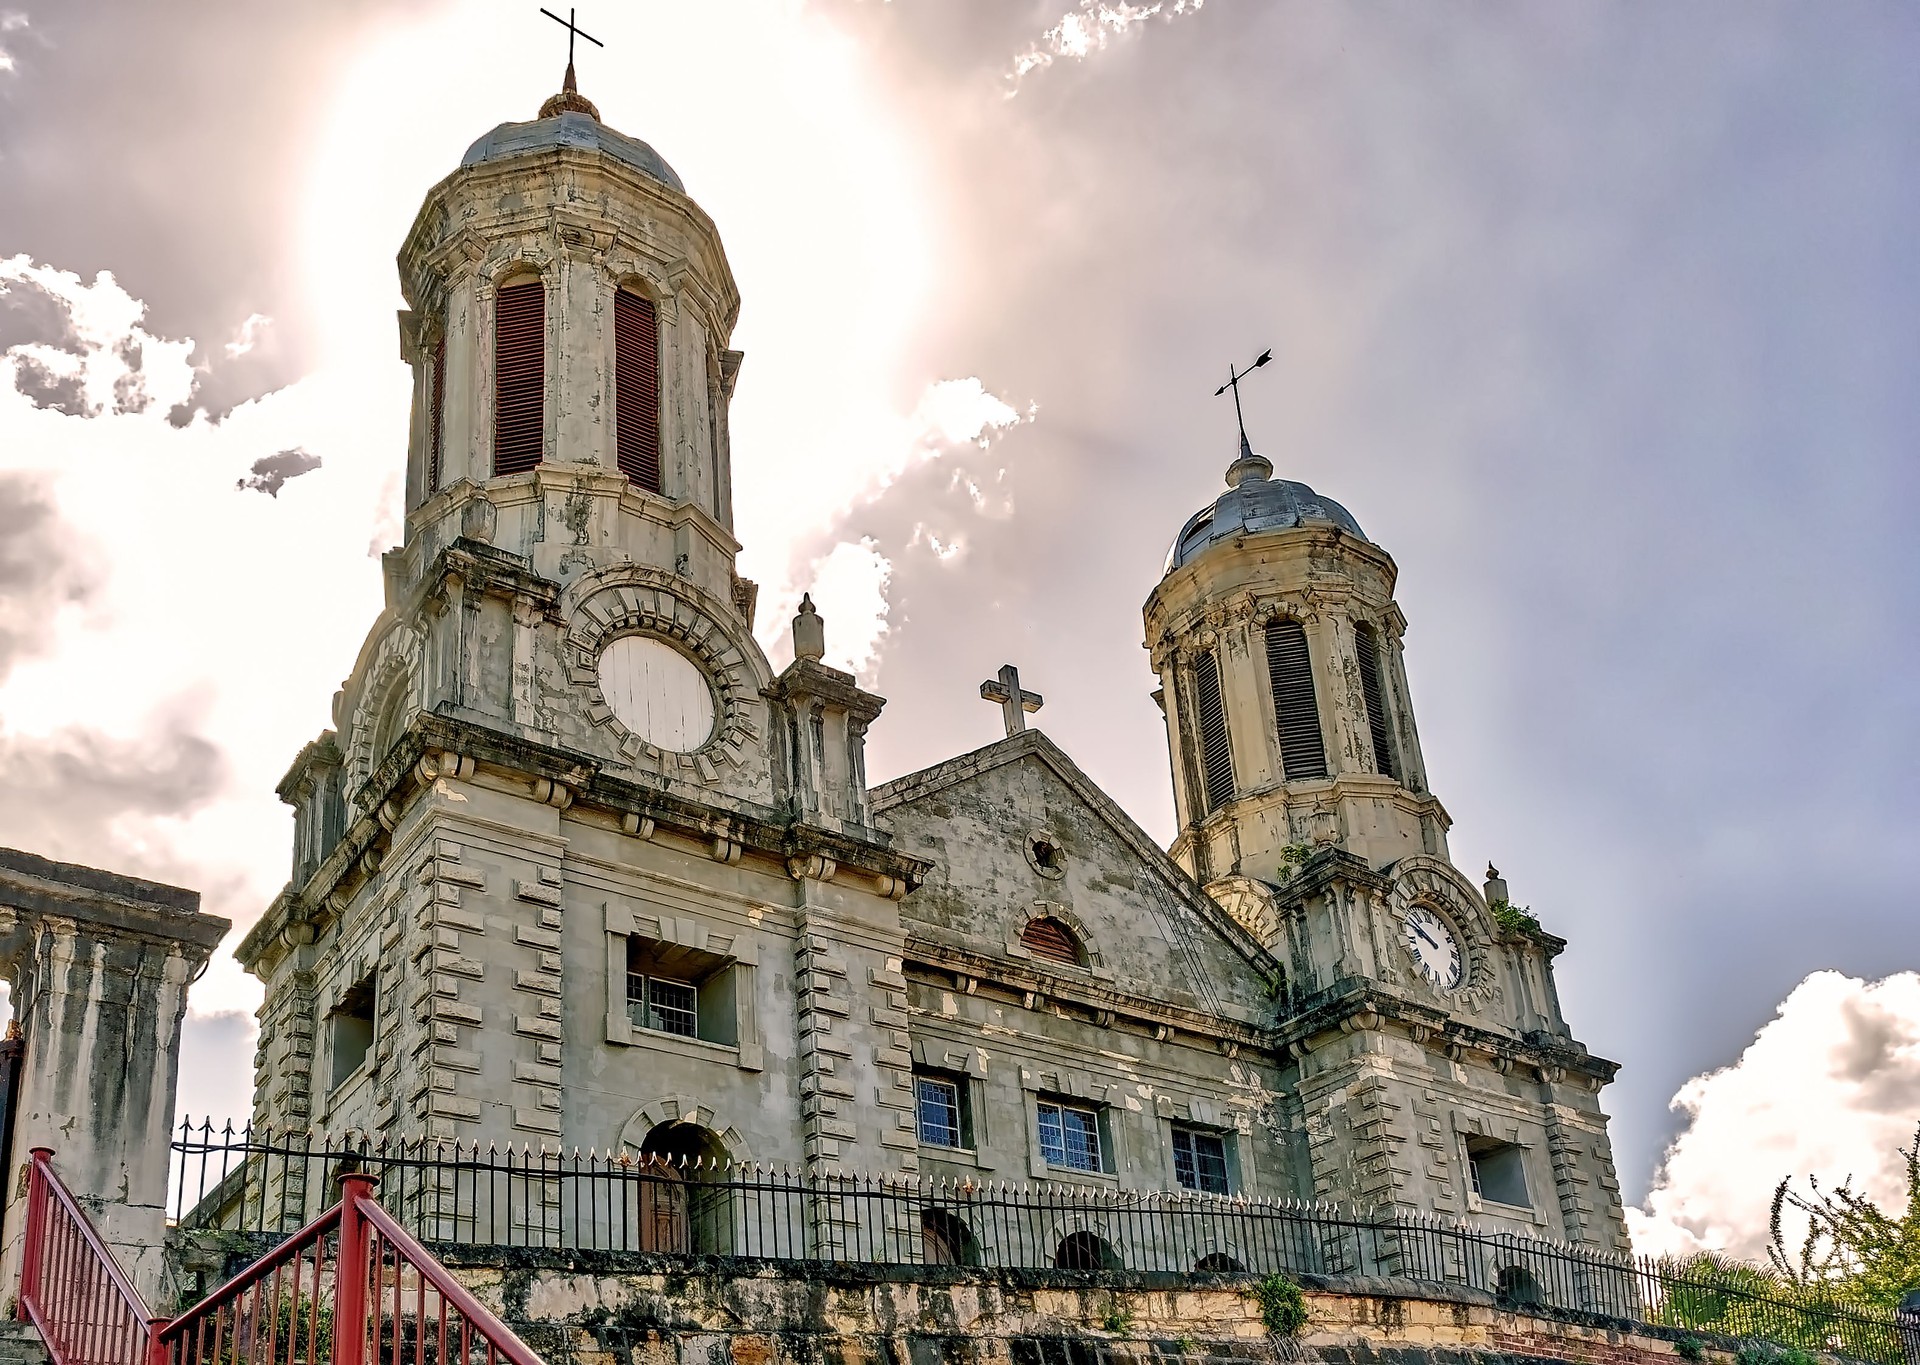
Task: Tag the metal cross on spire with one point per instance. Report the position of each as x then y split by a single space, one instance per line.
1233 382
1014 704
573 30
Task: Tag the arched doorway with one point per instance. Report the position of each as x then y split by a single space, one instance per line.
697 1156
946 1240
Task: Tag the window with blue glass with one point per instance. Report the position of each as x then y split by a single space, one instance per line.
1070 1137
1200 1160
940 1107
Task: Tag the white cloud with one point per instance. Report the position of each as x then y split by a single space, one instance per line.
1088 29
1830 1087
109 362
850 590
11 21
249 335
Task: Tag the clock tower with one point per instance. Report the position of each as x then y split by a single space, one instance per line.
1431 1069
573 866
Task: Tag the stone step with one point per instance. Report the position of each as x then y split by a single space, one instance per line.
20 1344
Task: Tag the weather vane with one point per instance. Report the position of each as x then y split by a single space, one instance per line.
1233 382
573 29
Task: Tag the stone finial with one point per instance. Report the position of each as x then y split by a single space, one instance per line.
1496 888
809 632
1249 467
569 100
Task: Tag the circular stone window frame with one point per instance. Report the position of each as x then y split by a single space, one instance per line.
1029 844
1427 881
634 600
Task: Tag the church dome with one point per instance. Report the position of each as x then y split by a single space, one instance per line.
571 126
1256 501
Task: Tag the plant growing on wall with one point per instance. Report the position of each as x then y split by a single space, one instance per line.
1282 1306
1513 919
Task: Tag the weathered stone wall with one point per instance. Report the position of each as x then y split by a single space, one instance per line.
844 1316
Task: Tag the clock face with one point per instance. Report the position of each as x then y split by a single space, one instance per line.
658 693
1436 947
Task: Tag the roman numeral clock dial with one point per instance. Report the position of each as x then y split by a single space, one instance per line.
1436 947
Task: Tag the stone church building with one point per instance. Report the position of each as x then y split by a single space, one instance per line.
575 867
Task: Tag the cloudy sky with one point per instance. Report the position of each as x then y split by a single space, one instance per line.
1604 319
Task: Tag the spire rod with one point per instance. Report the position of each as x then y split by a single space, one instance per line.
570 100
1248 465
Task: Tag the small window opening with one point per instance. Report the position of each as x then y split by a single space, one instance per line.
1086 1251
943 1110
946 1240
1045 854
1048 938
1219 1263
352 1027
1498 1171
1070 1137
1200 1161
680 991
1516 1287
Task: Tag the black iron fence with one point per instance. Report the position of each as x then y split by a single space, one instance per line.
464 1194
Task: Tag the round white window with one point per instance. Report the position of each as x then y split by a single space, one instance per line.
657 692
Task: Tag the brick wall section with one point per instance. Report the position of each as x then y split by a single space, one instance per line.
856 1315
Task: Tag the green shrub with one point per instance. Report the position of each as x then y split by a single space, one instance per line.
1282 1306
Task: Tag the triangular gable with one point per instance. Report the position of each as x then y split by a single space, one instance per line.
916 787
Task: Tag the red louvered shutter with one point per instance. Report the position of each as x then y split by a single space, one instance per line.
1367 647
1051 939
436 420
1290 673
519 377
636 377
1216 754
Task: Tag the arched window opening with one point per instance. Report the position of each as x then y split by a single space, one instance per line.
1516 1287
636 382
519 376
1086 1251
1216 755
1367 646
390 721
437 415
1047 937
1303 752
1219 1263
945 1240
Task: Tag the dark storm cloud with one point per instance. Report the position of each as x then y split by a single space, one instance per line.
271 472
40 571
1600 324
193 210
32 315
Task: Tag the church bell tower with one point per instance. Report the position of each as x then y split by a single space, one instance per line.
1432 1069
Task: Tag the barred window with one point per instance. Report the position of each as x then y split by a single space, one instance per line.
1070 1137
663 1004
940 1106
1200 1161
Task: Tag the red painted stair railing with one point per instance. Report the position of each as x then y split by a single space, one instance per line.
350 1288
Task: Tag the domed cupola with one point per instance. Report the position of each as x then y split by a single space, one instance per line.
1256 501
1277 642
570 316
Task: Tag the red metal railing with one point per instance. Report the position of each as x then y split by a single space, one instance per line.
350 1288
71 1289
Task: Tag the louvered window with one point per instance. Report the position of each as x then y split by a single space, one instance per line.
636 364
1216 756
1290 671
437 416
1368 648
1051 939
519 376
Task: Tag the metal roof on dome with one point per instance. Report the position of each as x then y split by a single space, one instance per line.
1255 501
571 127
